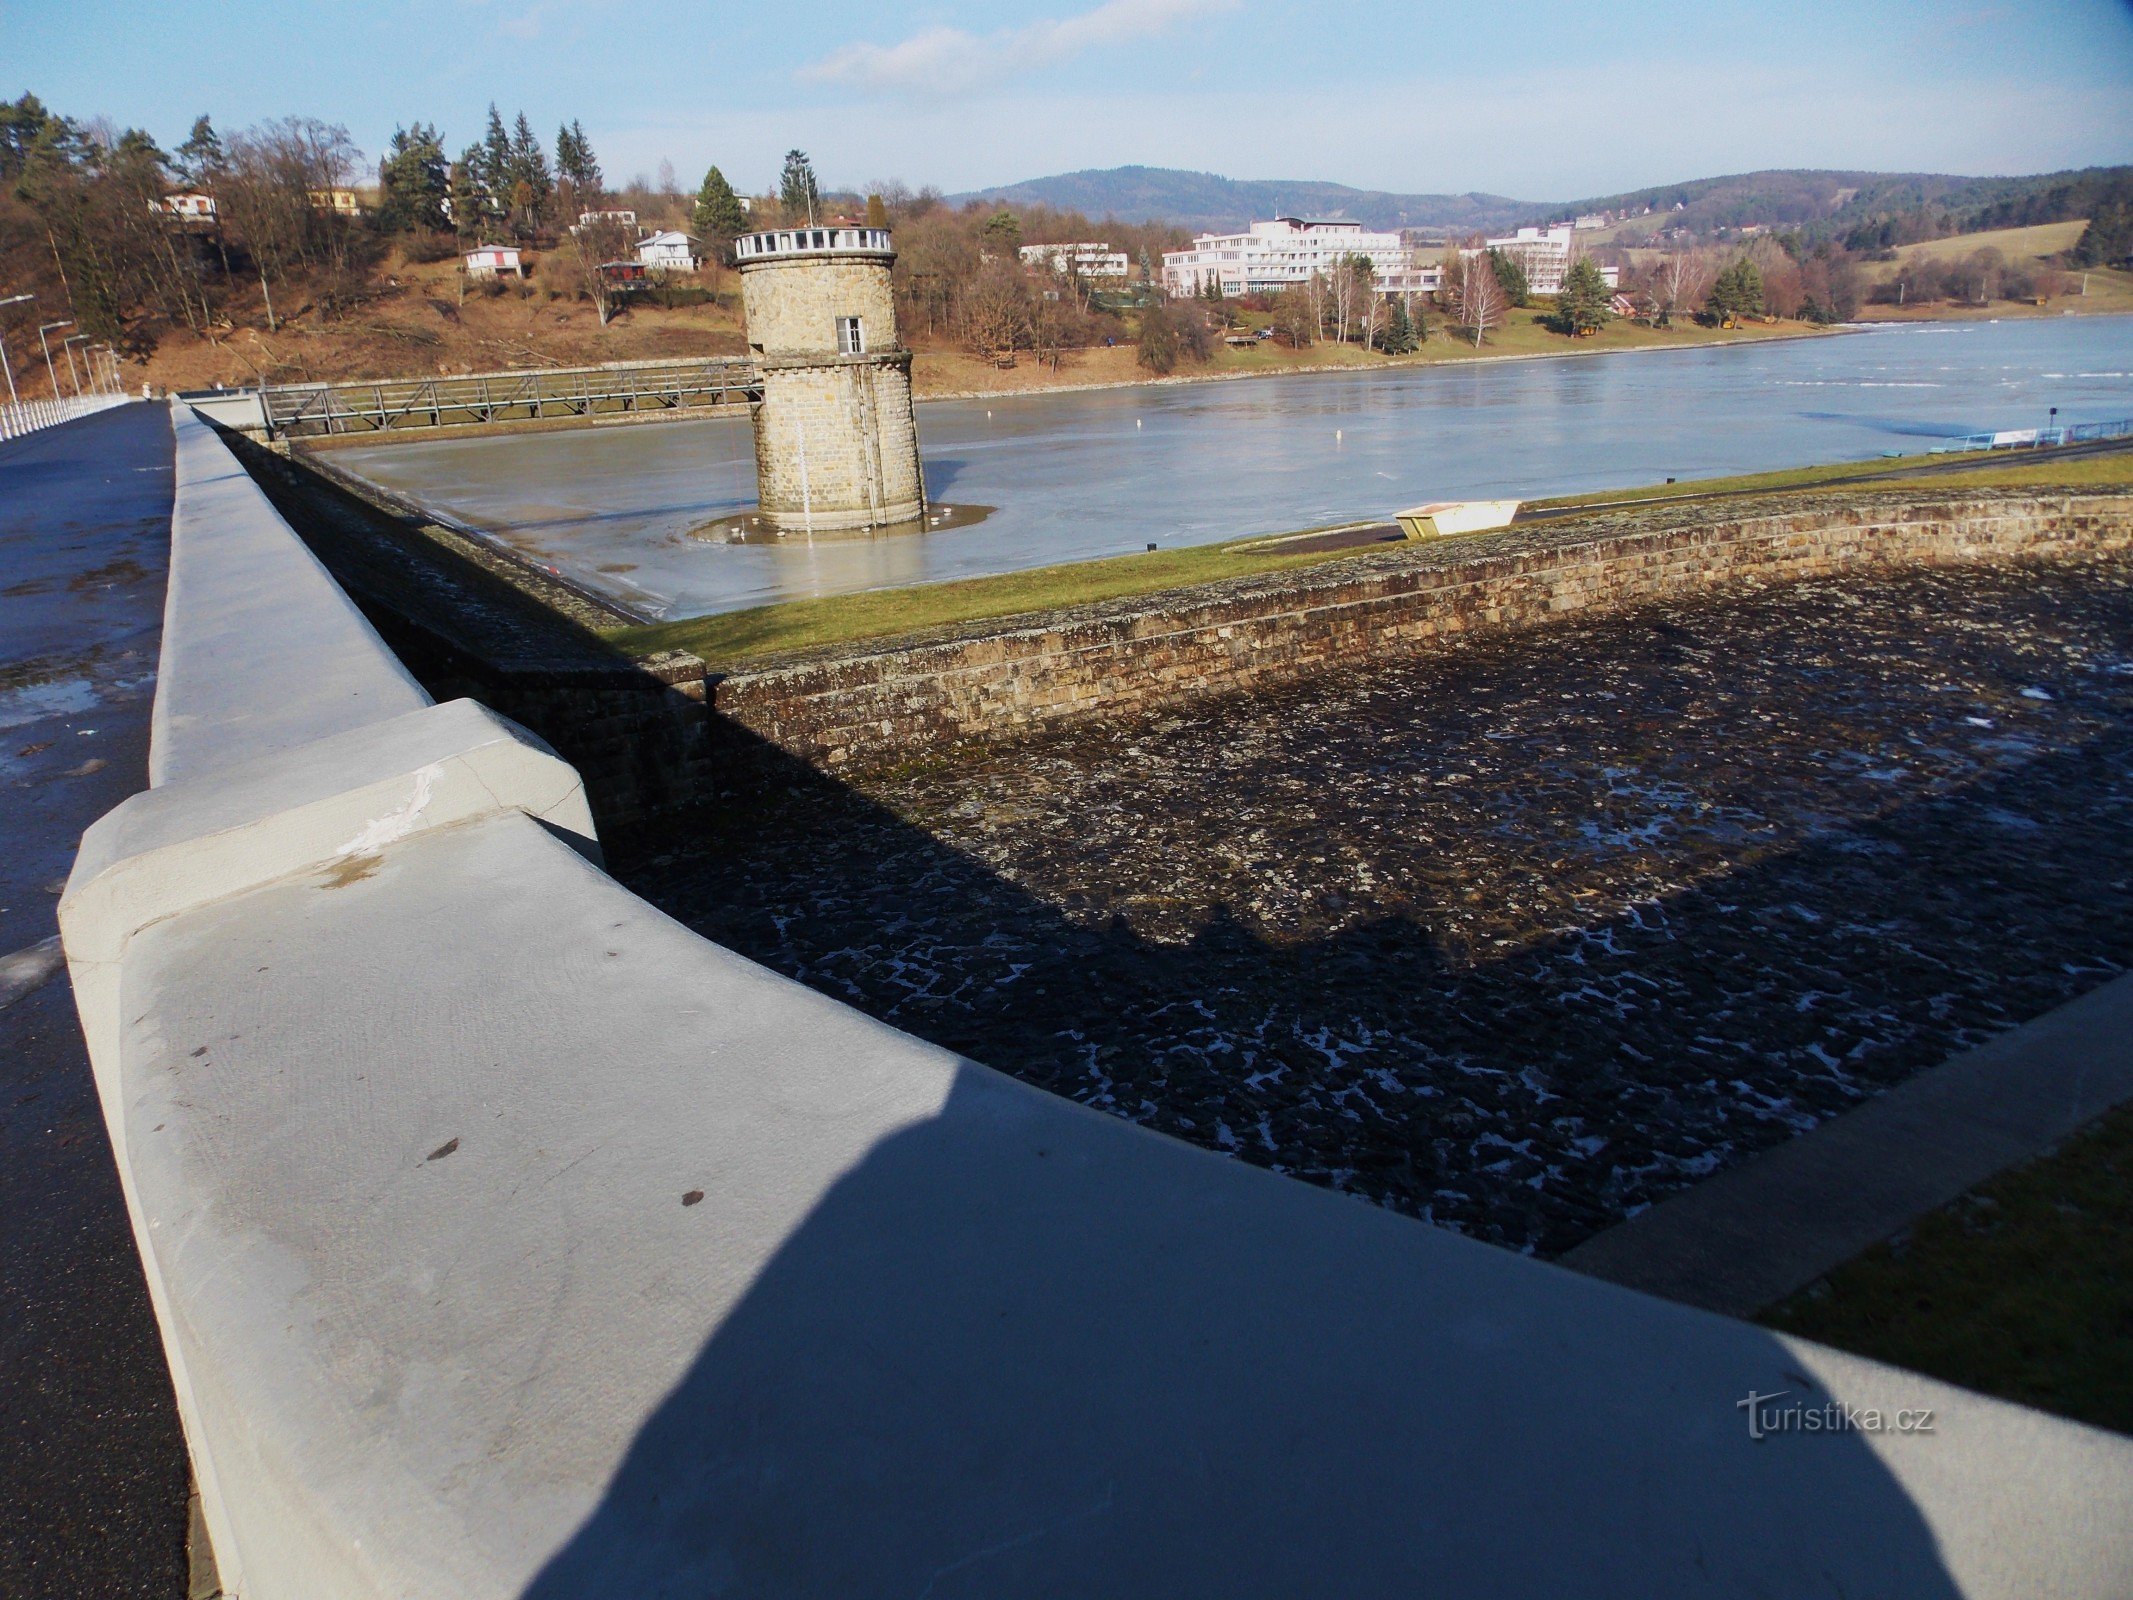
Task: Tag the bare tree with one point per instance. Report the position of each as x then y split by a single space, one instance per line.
593 246
1681 279
1369 305
1344 297
279 185
996 311
1477 294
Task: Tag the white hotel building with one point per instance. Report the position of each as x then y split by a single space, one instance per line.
1282 254
1091 258
1545 254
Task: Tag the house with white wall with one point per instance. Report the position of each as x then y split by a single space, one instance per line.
667 251
495 261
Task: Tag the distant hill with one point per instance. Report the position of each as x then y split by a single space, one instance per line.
1834 203
1839 202
1205 201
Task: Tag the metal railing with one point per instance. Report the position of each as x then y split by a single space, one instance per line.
2037 438
310 409
29 416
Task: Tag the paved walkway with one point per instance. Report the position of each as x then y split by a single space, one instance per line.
1751 1236
92 1466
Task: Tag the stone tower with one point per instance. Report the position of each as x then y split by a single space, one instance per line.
836 445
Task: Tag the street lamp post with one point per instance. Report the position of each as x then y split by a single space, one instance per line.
44 344
13 398
66 345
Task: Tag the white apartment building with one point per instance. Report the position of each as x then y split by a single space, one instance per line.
1272 256
1546 254
1092 258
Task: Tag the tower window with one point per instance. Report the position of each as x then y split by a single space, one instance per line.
851 341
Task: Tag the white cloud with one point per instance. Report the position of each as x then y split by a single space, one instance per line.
951 61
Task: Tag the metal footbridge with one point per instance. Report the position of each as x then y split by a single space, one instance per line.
617 389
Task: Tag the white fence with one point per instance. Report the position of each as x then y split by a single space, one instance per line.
30 415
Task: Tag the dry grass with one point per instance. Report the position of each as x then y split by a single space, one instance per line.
2016 244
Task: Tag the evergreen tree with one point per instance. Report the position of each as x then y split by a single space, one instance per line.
470 198
1004 229
877 212
797 190
1511 273
1582 305
414 182
718 213
575 162
2108 239
1399 337
532 180
494 168
200 158
21 125
1737 292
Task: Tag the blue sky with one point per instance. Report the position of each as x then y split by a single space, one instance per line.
1541 100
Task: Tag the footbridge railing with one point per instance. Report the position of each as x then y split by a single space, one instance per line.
307 410
2037 438
510 1240
29 416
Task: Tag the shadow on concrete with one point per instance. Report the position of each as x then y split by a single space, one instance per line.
966 1376
971 1374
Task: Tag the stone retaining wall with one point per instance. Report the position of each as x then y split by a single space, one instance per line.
886 702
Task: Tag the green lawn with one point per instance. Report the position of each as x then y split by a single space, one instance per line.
840 619
2023 1288
770 631
1990 470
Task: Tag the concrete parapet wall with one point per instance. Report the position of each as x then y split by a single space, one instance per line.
248 607
509 1240
892 701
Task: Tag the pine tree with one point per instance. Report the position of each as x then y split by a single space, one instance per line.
1399 337
21 125
494 168
1511 273
1736 293
200 158
1582 305
470 199
530 172
877 212
797 190
2108 239
718 213
414 182
575 162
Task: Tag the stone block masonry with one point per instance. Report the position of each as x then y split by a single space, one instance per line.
836 445
897 700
